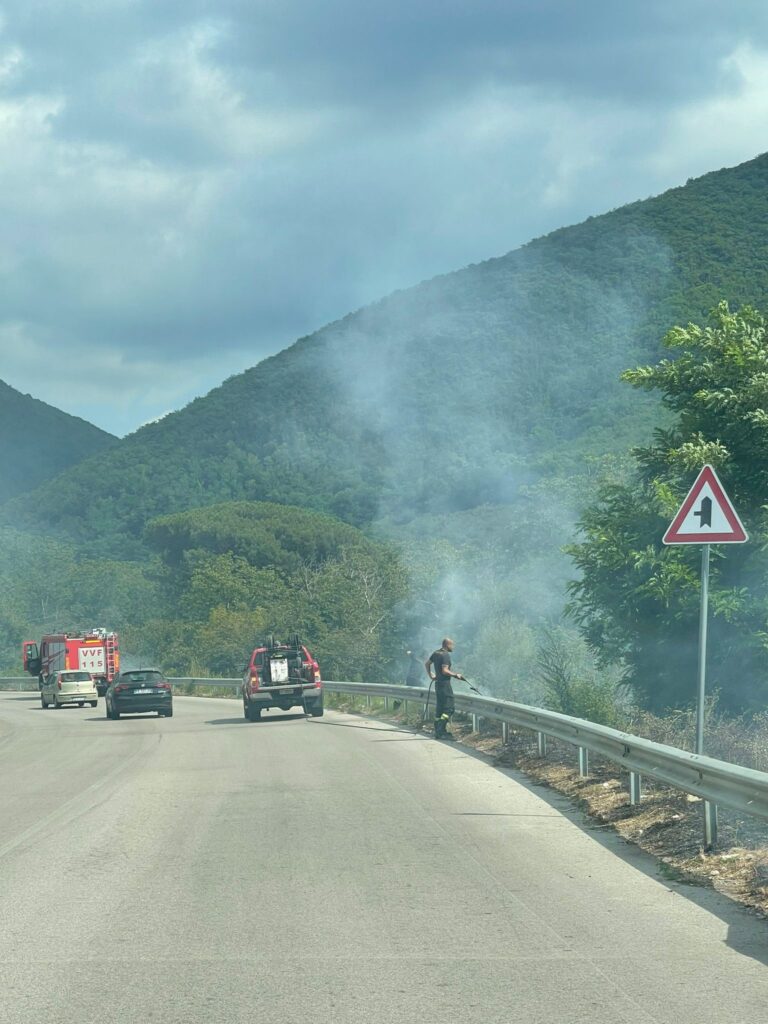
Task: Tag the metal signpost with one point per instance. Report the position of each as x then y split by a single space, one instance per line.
706 517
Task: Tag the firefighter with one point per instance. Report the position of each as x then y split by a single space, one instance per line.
440 672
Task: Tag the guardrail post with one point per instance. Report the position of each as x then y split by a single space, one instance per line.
583 762
541 743
367 700
386 703
505 733
475 722
710 825
635 788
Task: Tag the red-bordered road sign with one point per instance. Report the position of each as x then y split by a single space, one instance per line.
706 516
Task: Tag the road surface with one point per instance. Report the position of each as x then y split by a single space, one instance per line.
204 870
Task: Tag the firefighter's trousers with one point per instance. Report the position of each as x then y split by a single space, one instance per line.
444 706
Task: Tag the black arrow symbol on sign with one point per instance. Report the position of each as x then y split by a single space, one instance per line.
705 512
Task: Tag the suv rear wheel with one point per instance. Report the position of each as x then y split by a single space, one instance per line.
252 713
315 708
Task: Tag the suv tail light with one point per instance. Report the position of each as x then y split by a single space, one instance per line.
315 677
58 682
255 682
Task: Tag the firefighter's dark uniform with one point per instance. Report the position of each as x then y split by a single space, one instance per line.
444 705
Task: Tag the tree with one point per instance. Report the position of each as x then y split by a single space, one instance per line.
637 601
232 573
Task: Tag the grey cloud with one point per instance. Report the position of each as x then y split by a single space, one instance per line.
180 179
348 50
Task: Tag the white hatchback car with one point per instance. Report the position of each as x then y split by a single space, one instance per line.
68 687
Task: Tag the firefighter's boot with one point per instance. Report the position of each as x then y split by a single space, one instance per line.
446 735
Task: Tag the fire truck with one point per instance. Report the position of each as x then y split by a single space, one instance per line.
95 651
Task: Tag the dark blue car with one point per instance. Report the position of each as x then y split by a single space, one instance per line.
139 691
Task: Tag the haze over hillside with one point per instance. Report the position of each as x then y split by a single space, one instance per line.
462 391
38 442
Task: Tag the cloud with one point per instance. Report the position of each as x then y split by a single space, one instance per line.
105 385
716 127
186 187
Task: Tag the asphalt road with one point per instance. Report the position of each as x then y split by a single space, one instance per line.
204 870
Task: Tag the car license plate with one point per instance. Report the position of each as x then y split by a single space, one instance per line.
143 691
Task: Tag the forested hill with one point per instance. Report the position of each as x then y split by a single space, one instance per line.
38 442
452 394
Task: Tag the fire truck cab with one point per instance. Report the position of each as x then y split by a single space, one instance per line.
95 651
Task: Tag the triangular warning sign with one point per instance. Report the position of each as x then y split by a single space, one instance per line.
706 516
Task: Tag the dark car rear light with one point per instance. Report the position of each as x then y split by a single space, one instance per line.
164 685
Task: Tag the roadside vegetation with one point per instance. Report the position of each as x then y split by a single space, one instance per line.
637 601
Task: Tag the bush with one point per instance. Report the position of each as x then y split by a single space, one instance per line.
573 685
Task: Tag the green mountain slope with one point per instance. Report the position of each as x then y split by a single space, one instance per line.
38 442
460 392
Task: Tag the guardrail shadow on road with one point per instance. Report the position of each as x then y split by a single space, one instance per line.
349 725
747 935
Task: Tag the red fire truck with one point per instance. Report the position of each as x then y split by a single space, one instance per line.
95 651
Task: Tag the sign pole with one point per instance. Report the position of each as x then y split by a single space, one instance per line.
710 810
699 749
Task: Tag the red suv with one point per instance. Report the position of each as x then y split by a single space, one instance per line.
282 675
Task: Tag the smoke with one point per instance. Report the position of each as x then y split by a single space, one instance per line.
492 402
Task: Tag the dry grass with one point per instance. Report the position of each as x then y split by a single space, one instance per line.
741 741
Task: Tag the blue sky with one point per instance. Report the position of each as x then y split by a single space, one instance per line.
188 186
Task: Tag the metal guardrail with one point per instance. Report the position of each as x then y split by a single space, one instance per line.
22 683
231 684
30 682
